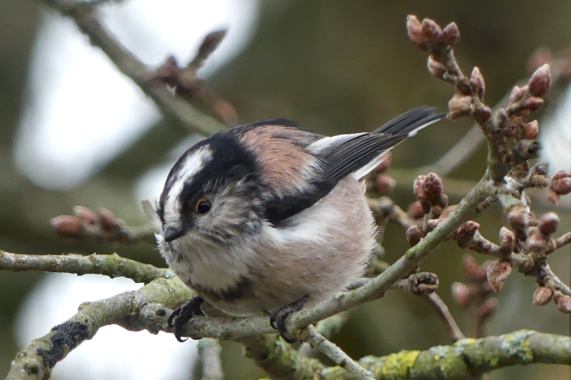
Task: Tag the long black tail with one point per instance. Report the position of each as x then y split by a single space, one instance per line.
411 121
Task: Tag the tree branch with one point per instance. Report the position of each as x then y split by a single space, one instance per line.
444 314
337 355
209 351
469 357
111 265
175 108
135 310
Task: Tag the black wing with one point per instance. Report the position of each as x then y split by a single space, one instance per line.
346 155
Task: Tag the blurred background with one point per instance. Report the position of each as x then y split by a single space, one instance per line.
75 131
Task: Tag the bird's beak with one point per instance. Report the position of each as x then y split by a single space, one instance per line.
172 233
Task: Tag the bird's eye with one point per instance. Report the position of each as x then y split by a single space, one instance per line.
202 206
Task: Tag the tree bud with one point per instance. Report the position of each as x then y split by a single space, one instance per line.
540 81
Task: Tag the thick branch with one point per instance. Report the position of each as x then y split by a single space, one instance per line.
469 357
111 265
135 310
279 359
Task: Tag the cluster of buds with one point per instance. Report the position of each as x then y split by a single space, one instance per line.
560 185
429 191
544 294
438 42
477 291
513 123
497 271
429 36
540 232
533 234
88 224
431 203
185 82
378 181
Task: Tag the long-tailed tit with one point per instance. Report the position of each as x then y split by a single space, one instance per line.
267 217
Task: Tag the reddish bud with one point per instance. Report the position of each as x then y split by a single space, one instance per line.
451 34
533 103
67 225
542 296
414 30
384 184
385 163
548 223
540 81
477 82
473 270
465 233
561 186
108 220
531 130
461 293
536 241
564 303
432 224
482 113
416 210
436 68
507 241
431 30
413 235
86 215
517 93
540 169
517 218
418 187
497 273
432 188
561 174
460 105
488 308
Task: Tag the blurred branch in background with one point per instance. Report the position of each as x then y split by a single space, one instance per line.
175 108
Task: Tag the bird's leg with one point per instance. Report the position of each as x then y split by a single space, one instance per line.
183 314
278 318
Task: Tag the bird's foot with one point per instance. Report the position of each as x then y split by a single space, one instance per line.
183 314
278 318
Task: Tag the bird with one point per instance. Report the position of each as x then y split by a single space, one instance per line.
269 217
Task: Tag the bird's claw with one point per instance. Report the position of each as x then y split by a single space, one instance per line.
183 314
279 317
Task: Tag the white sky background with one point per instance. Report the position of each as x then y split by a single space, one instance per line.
80 112
555 134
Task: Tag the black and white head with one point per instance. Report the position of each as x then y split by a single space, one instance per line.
210 194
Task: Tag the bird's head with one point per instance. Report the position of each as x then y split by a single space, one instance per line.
210 194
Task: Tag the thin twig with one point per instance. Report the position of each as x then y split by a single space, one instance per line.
111 265
209 350
444 314
333 352
135 310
